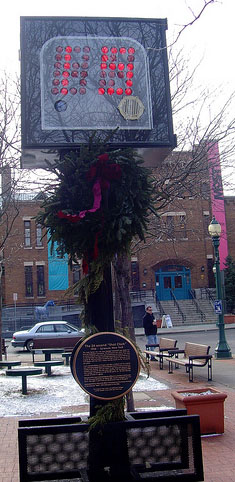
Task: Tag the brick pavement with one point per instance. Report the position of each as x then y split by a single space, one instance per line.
218 451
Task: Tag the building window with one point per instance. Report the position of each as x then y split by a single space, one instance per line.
38 235
206 222
170 227
27 233
135 278
182 226
28 272
76 276
40 281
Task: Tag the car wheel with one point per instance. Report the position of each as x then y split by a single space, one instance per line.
29 345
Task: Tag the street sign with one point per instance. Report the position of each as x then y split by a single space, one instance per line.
218 307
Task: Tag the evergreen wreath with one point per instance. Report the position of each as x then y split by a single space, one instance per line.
100 202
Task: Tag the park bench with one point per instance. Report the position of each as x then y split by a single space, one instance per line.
9 364
48 364
194 355
165 449
164 345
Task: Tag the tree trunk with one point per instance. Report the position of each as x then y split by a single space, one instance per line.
122 285
123 309
1 314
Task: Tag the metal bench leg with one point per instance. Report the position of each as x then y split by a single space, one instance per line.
161 362
48 370
24 384
209 370
170 370
190 373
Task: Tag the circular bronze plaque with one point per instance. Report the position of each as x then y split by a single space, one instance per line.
106 365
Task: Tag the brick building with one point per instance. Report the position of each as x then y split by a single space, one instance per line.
30 269
178 256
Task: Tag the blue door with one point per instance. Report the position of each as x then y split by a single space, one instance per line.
175 279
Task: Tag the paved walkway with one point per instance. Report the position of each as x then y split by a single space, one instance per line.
218 451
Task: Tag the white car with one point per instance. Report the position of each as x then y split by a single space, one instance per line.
50 329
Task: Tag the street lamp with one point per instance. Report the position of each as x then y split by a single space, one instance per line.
222 349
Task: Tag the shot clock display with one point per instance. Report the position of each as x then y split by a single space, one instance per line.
81 76
94 83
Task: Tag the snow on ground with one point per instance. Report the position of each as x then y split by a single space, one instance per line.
52 394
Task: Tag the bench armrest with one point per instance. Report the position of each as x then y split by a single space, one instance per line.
200 357
175 350
151 346
172 351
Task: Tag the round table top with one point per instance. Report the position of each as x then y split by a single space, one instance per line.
24 371
9 363
50 363
52 350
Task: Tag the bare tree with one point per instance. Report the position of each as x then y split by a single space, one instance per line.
11 175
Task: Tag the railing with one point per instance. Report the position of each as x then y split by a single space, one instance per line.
160 307
209 295
142 295
194 301
178 306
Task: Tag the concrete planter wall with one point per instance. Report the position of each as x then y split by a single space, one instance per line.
210 407
229 319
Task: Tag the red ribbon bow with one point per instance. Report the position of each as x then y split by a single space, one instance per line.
102 173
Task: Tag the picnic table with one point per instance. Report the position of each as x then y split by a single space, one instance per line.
67 356
48 352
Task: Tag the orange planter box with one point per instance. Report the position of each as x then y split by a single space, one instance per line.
229 319
210 407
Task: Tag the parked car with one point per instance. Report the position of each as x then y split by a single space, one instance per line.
48 329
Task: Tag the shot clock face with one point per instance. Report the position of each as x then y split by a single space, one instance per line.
85 76
93 83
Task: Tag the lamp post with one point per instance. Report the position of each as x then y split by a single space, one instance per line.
222 349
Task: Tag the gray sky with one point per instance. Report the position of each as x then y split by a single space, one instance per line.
211 37
209 40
